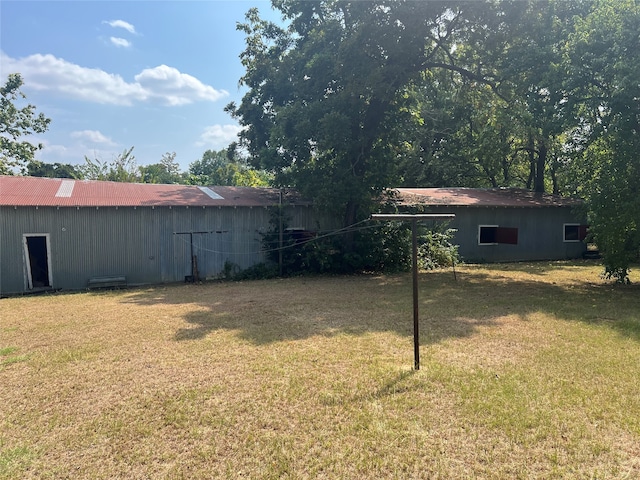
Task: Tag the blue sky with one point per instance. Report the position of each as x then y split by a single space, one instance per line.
155 75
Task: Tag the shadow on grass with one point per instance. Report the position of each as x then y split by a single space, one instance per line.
396 385
263 312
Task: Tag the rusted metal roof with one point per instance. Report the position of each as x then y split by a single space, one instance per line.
56 192
481 197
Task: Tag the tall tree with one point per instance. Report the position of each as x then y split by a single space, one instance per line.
512 135
166 171
322 110
470 140
535 70
15 123
604 54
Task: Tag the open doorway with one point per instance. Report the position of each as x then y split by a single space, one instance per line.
38 260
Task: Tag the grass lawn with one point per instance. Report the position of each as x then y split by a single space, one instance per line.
527 371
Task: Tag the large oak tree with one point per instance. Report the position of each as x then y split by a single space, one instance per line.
326 110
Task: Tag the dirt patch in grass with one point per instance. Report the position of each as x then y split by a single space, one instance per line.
528 371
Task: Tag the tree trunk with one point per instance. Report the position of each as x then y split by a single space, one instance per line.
540 167
506 177
554 179
491 177
531 152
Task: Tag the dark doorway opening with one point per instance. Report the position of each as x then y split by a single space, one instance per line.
38 258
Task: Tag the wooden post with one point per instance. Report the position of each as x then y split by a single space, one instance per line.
414 218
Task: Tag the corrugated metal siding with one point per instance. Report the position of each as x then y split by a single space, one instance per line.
540 233
140 243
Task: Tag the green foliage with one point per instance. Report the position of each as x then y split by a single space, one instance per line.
15 123
7 357
355 97
435 249
509 132
321 112
378 247
7 351
165 172
611 182
296 251
225 167
36 168
94 169
122 168
604 53
259 271
385 247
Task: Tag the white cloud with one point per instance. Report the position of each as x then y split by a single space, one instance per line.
48 73
164 85
55 150
121 24
90 143
176 88
219 136
120 42
92 136
73 153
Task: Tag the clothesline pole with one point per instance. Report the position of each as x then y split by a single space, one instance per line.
414 219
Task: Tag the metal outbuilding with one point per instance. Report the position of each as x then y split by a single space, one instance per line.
505 224
65 234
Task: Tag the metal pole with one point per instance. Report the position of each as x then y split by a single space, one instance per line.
416 316
414 264
280 234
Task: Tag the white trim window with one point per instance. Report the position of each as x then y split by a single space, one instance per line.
487 234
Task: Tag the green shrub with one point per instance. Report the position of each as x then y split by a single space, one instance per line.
377 247
435 250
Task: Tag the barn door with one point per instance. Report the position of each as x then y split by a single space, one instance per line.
37 254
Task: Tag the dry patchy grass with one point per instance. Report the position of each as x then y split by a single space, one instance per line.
528 371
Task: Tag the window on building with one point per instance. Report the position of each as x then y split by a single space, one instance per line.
487 234
574 232
494 234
